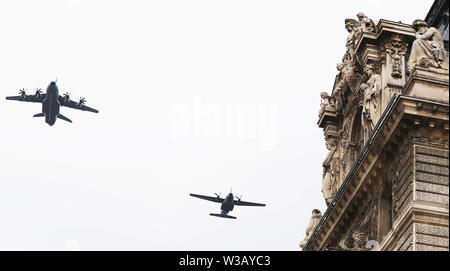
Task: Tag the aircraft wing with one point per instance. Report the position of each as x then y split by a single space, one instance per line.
214 199
75 105
246 203
28 98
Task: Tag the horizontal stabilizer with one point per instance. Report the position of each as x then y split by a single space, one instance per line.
224 216
39 115
63 117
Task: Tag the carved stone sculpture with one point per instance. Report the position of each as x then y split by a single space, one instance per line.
350 26
331 174
366 24
315 218
428 48
327 103
327 185
396 48
371 90
336 164
354 241
346 80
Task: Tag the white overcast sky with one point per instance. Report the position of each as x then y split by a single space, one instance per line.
165 75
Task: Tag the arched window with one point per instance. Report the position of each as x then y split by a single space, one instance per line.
356 140
357 132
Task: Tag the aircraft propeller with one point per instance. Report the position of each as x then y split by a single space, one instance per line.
218 195
38 92
239 198
82 101
22 92
66 96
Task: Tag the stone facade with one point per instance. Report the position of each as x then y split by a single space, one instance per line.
386 124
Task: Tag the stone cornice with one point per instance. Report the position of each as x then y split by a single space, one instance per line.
387 26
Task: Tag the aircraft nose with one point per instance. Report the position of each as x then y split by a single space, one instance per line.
52 83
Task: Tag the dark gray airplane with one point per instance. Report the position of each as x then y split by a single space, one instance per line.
227 203
51 102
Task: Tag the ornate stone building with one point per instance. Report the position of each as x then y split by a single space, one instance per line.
386 124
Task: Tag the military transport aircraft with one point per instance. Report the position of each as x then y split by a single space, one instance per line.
227 203
51 102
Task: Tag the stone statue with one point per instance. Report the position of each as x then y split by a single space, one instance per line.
335 170
327 185
338 92
347 74
351 67
372 93
326 104
331 171
315 218
366 25
350 26
428 48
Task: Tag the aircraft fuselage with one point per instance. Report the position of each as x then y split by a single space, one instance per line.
227 204
50 105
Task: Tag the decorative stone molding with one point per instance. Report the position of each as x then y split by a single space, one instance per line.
395 47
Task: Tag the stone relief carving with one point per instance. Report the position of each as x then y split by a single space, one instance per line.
371 100
428 48
430 140
364 229
396 48
315 218
354 241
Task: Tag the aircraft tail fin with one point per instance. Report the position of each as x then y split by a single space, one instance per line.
60 116
39 115
224 216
